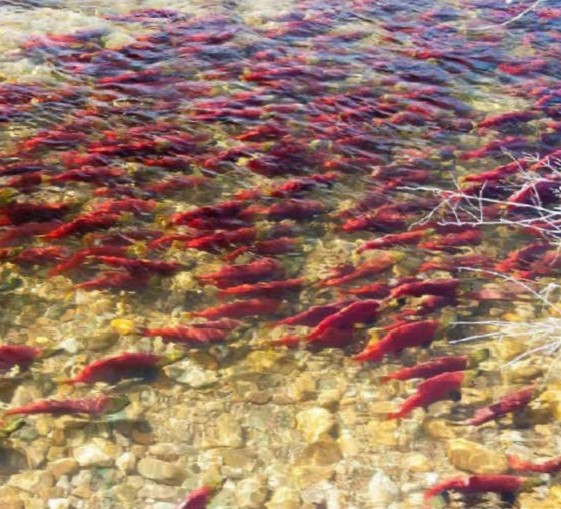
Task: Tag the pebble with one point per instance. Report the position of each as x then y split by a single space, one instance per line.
284 498
315 423
92 455
382 490
159 470
58 503
126 462
65 466
475 458
251 493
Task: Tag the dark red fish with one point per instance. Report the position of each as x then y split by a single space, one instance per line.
336 330
116 281
270 247
403 336
500 119
265 288
83 224
452 241
224 210
395 239
224 239
288 209
141 266
440 287
314 315
17 355
437 388
551 466
369 268
439 365
90 406
78 258
241 308
197 499
253 272
90 174
370 291
19 213
117 367
510 403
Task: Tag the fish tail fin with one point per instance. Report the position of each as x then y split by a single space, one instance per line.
369 354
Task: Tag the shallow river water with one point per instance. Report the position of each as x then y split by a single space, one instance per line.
224 224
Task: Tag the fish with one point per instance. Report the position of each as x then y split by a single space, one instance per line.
75 260
253 272
288 209
419 333
82 224
140 266
512 402
368 268
90 406
118 367
314 315
551 466
264 288
191 335
436 388
452 241
241 308
438 365
439 287
500 119
370 291
271 247
116 281
485 483
197 499
20 213
223 239
336 330
18 355
395 239
224 210
90 175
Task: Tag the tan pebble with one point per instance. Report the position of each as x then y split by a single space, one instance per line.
305 475
438 429
83 491
251 493
383 432
315 423
143 438
475 458
166 452
58 503
90 455
159 470
258 397
417 462
320 453
284 498
126 462
65 466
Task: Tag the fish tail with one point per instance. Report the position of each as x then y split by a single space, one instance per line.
370 354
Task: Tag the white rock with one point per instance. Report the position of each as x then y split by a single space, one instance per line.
58 503
126 462
314 423
91 455
382 490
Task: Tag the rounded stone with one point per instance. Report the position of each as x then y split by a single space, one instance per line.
159 470
475 458
315 423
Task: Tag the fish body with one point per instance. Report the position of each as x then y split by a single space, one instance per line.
437 388
241 309
117 367
403 336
